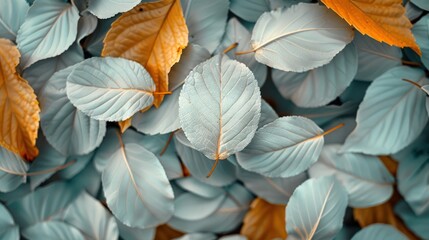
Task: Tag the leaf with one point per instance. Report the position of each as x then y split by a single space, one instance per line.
316 209
13 170
86 25
312 38
12 15
206 21
198 236
56 30
8 229
165 119
135 233
421 4
249 10
375 58
319 86
19 108
283 148
110 89
365 178
421 33
94 42
132 180
391 115
191 207
383 20
108 8
165 232
52 230
193 185
416 223
264 221
267 114
379 231
152 34
426 89
219 107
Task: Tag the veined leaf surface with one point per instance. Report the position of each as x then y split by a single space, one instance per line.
12 15
109 8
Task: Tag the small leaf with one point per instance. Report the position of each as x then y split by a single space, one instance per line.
110 89
12 15
312 38
56 30
19 108
109 8
8 229
379 231
13 170
52 230
283 148
193 185
130 233
86 25
219 107
383 20
191 207
152 34
316 209
264 221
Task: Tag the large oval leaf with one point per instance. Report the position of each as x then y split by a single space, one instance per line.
134 177
13 170
391 115
67 129
56 30
283 148
379 231
316 209
321 85
109 8
365 178
110 89
52 230
12 15
8 229
312 37
219 107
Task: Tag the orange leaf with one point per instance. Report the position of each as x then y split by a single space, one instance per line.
152 34
264 221
165 232
19 109
124 125
383 20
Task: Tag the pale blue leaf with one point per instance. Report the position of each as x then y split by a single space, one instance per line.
226 218
81 5
421 33
52 230
418 224
197 236
379 231
16 194
94 42
12 15
110 89
86 25
68 130
273 190
199 165
355 92
375 58
316 209
134 177
43 204
426 89
39 73
312 37
412 11
88 179
321 85
13 170
48 30
109 8
237 33
206 21
91 218
165 119
365 177
423 4
392 114
79 163
199 188
129 233
8 229
284 148
233 237
189 206
219 107
267 114
339 136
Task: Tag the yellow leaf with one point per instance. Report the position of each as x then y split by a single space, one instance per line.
19 109
165 232
383 20
264 221
152 34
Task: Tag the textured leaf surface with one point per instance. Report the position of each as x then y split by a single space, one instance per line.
219 107
152 34
48 30
421 32
13 170
283 148
12 15
312 38
67 129
110 89
264 221
135 177
379 231
8 229
383 20
365 178
321 85
52 230
391 115
19 109
109 8
316 209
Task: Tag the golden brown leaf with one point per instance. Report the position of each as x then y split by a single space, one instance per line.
152 34
383 20
165 232
264 221
390 164
124 125
19 109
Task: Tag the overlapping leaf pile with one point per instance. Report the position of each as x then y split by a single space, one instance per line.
214 119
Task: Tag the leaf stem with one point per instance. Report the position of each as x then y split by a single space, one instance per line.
167 143
213 167
413 83
410 63
333 129
245 52
162 93
46 171
232 46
